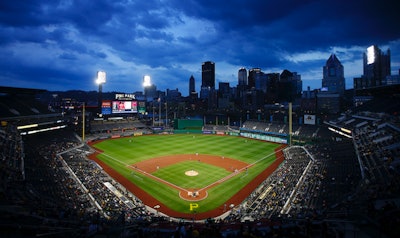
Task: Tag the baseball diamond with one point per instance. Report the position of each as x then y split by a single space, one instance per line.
219 170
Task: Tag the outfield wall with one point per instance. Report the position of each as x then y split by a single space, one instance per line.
265 137
189 124
187 131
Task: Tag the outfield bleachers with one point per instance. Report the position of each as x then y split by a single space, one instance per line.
104 126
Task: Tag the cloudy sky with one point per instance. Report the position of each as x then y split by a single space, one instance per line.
61 44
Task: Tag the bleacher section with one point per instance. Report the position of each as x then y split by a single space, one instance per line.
105 129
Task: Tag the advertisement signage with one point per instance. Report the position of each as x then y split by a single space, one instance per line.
309 119
106 107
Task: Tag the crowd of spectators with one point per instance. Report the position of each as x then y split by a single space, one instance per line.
49 186
93 180
12 156
298 130
46 197
269 199
336 177
377 144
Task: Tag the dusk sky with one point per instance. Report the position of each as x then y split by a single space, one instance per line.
60 45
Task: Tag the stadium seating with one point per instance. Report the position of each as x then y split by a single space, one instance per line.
48 181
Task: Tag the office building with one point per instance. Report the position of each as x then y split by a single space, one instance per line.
208 74
290 86
251 82
207 79
376 67
192 88
333 76
242 77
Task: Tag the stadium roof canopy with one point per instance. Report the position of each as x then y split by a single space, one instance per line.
26 91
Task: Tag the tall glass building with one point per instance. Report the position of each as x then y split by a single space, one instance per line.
376 66
208 74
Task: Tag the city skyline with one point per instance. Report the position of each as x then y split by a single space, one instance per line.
60 45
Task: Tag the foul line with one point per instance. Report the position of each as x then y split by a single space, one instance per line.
157 178
143 172
236 173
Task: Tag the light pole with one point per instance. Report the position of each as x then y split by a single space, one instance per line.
100 80
146 84
153 114
159 111
166 114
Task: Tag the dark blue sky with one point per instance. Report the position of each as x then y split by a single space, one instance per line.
60 45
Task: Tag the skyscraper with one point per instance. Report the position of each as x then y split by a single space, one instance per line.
333 76
207 79
242 85
208 74
289 86
251 83
242 77
376 66
192 87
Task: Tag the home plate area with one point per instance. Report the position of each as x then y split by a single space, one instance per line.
195 195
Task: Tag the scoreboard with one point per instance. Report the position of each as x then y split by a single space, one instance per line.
118 107
124 107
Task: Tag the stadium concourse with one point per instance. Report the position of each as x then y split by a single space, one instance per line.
332 185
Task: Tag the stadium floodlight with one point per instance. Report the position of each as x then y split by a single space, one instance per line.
101 77
146 81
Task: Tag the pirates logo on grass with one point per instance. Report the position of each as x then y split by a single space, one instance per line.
193 206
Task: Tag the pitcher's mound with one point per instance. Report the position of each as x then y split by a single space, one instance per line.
191 173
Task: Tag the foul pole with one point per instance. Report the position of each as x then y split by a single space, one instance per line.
290 124
83 122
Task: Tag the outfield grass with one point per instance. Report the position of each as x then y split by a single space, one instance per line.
119 153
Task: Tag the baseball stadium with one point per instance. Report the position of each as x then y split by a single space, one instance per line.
285 174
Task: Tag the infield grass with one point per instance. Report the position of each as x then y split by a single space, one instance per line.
207 174
122 152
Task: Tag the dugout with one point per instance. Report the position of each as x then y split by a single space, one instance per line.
188 125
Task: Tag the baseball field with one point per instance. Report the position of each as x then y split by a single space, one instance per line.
188 175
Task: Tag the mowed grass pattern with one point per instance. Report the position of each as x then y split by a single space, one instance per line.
122 152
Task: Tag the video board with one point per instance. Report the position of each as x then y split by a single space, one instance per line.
124 107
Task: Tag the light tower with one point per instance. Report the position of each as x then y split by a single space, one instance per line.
146 85
100 80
